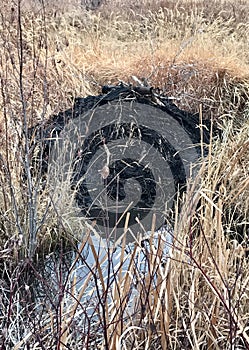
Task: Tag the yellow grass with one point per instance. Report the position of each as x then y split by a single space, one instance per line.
195 51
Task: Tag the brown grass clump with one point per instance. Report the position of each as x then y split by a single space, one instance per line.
197 53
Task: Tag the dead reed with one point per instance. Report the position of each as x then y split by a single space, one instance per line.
194 51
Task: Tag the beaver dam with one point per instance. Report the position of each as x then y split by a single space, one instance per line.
130 150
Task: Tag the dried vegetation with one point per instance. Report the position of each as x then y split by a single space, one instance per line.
194 51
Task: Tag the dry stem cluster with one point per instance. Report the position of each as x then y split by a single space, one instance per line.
194 51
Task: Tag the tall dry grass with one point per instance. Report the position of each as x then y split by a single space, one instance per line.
197 52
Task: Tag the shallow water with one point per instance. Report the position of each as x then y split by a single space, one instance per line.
115 261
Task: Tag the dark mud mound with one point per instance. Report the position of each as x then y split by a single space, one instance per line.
128 150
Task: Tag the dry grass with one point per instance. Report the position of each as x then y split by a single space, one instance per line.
195 51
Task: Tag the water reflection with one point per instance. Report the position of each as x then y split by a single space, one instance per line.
108 265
